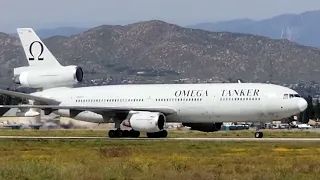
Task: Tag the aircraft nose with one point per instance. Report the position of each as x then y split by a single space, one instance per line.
302 104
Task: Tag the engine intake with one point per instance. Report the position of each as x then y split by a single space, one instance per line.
78 75
146 121
47 78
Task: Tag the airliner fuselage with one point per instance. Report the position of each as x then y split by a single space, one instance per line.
193 103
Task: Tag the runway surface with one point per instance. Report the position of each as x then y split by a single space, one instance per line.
173 139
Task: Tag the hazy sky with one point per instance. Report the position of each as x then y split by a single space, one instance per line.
53 13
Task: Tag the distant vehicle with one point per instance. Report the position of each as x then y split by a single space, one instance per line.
236 127
304 126
284 126
21 125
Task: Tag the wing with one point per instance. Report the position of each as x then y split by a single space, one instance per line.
3 111
54 105
29 96
163 110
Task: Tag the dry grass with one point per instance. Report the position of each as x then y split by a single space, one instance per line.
99 159
176 133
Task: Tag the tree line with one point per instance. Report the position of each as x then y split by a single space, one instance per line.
312 111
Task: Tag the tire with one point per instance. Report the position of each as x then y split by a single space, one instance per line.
258 135
111 134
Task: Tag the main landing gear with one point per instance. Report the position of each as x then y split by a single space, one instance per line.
118 133
135 134
123 133
160 134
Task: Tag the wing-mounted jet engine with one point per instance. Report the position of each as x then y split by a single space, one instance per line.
151 122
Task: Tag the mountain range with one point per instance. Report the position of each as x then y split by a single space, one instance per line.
301 28
59 31
166 51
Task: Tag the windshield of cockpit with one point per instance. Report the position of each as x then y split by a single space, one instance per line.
287 96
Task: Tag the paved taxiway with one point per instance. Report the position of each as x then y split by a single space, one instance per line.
174 139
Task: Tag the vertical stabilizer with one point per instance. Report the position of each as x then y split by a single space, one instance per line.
36 51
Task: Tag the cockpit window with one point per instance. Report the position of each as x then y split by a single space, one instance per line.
286 96
296 95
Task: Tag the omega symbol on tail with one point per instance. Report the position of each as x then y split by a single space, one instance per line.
41 50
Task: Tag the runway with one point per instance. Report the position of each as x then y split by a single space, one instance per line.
171 139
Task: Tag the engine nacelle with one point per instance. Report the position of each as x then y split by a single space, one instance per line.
46 78
205 127
147 121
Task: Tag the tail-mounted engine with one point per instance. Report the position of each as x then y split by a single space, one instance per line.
48 77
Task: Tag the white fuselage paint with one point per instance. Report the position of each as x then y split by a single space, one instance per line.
194 103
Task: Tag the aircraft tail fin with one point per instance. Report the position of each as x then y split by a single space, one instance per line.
35 50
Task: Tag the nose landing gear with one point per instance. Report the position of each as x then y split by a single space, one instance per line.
258 134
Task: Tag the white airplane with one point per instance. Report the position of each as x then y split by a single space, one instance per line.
147 108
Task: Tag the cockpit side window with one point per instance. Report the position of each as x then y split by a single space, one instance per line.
294 95
286 96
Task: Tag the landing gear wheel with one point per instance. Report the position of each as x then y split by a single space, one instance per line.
134 134
160 134
126 133
164 134
111 134
258 135
123 133
151 135
118 133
